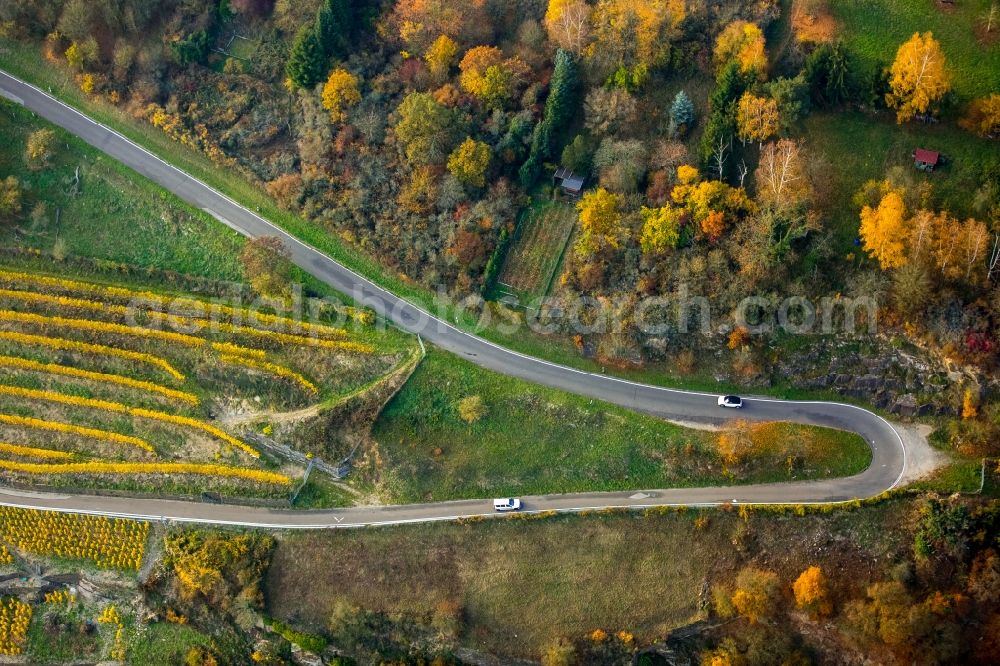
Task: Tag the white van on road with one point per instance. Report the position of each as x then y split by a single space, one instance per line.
505 504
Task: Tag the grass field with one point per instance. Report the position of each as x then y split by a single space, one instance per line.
47 646
874 29
113 215
521 583
165 644
537 251
537 440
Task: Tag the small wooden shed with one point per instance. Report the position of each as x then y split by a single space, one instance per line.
926 160
570 182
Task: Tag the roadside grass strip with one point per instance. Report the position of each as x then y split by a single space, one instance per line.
119 329
110 543
101 467
104 405
88 348
202 309
70 429
273 368
32 452
68 371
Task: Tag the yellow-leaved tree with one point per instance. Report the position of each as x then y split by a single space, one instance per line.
918 78
474 66
983 116
600 222
340 93
489 77
756 118
39 148
812 593
742 42
661 229
469 162
884 231
634 33
441 56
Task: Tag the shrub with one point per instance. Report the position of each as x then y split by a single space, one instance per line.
471 409
756 594
559 653
739 337
306 641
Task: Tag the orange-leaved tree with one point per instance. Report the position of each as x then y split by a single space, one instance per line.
812 592
884 230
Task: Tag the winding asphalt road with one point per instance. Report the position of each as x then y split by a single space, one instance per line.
888 453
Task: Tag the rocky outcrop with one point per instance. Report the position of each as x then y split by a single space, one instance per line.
905 381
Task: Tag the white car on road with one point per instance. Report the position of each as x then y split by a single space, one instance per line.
505 504
731 401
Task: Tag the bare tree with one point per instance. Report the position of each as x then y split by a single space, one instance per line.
781 179
742 170
994 263
571 28
989 19
921 233
720 153
977 239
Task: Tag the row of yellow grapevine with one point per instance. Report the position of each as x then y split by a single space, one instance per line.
103 467
87 348
273 368
105 405
71 429
118 329
69 371
32 452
